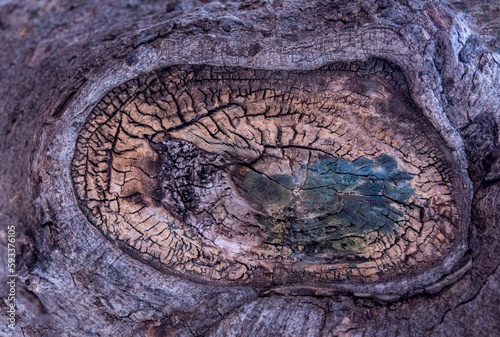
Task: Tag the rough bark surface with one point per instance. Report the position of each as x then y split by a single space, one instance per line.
254 168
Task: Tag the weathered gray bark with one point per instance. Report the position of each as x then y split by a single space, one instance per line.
77 277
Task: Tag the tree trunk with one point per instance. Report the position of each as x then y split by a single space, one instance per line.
255 168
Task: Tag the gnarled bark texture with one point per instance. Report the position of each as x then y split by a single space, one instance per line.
254 168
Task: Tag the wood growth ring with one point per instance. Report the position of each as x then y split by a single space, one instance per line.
245 175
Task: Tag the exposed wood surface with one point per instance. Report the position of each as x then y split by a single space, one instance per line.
235 174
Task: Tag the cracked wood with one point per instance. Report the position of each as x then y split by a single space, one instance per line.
229 173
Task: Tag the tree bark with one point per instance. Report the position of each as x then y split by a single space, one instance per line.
255 168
